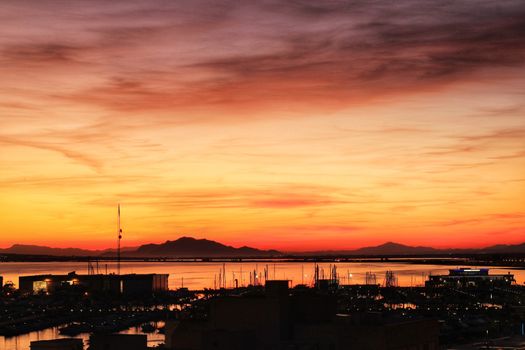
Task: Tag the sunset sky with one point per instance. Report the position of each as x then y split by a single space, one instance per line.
294 125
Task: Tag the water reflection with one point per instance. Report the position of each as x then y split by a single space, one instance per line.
199 275
22 342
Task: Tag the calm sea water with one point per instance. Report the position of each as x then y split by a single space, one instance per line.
198 275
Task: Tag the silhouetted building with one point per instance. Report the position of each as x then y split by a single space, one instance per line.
143 283
118 342
467 277
126 284
277 288
1 281
58 344
305 319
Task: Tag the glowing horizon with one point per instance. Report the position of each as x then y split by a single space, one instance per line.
277 125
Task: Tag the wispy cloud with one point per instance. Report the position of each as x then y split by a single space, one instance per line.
63 149
268 52
40 54
278 197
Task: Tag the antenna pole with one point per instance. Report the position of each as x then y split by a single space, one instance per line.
118 241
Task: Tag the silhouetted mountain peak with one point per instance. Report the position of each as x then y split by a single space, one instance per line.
393 248
391 245
189 246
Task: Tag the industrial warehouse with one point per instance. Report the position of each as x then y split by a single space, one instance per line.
111 283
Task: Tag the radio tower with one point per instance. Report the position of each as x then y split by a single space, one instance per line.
119 232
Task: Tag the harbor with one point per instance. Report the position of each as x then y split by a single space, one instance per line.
465 303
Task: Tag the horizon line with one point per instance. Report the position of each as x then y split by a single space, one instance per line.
268 249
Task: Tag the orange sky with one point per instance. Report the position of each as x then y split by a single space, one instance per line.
276 124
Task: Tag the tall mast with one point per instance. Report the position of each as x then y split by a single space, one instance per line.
119 232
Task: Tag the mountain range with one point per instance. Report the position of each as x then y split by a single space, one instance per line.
392 249
183 247
190 247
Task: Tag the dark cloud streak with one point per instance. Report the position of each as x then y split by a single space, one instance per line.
323 52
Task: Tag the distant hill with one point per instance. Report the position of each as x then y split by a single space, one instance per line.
42 250
28 249
391 248
385 249
505 248
191 247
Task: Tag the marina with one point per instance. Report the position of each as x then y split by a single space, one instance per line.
200 275
467 301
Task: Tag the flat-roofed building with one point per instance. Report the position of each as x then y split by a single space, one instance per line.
49 283
143 283
125 284
469 277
